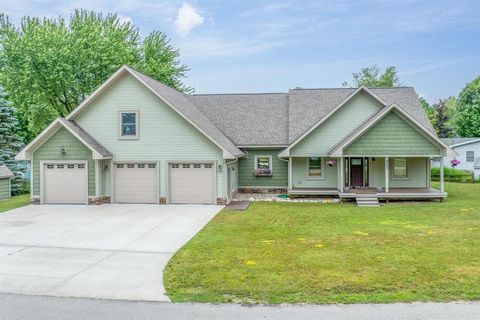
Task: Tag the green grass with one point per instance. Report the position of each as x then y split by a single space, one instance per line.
14 202
426 251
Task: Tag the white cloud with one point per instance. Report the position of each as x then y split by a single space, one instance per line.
188 18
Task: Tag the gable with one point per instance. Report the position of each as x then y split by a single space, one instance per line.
50 150
163 133
343 121
392 136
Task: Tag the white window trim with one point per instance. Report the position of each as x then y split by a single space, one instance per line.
137 127
466 155
307 173
392 169
255 161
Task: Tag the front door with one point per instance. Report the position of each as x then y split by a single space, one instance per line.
356 172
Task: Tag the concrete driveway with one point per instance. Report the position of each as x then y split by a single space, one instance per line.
107 251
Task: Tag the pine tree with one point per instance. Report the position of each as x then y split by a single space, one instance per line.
10 141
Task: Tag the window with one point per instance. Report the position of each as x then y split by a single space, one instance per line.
129 125
470 156
197 165
81 166
120 165
50 166
208 166
60 166
400 167
130 165
70 166
141 165
263 165
151 165
175 165
314 168
185 166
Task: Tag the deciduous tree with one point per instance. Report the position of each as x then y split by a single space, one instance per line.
48 66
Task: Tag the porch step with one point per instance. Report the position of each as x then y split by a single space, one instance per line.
367 202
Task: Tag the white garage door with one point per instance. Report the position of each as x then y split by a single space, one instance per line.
65 183
192 183
135 183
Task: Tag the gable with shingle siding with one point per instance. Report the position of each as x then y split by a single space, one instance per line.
392 136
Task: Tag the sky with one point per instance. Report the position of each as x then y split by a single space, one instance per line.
271 46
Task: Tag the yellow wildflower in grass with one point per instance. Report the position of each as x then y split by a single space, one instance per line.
464 210
303 240
471 229
430 232
268 242
319 245
361 233
251 263
380 258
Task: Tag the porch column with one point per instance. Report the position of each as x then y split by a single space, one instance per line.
387 174
342 173
98 176
442 187
290 173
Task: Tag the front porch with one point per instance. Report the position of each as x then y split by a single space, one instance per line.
383 178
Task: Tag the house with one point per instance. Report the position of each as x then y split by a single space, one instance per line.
136 140
5 186
468 150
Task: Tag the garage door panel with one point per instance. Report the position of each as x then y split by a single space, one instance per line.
192 183
65 183
135 183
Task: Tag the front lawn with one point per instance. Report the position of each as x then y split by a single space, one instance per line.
14 202
335 253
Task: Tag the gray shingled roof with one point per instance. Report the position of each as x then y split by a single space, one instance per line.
247 119
5 172
452 141
94 144
180 101
309 106
281 118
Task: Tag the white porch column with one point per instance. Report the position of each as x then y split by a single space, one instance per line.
98 177
290 173
387 174
342 173
442 186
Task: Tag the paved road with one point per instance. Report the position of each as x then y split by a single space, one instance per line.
106 252
18 307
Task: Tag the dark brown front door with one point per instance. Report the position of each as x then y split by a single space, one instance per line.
356 172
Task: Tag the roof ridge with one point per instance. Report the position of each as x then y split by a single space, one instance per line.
352 88
236 94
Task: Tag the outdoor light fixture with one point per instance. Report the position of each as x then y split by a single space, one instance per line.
63 150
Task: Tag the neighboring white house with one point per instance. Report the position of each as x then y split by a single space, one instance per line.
468 150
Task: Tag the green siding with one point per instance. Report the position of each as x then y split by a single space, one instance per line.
299 175
4 188
50 150
163 134
417 174
347 118
392 135
246 170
